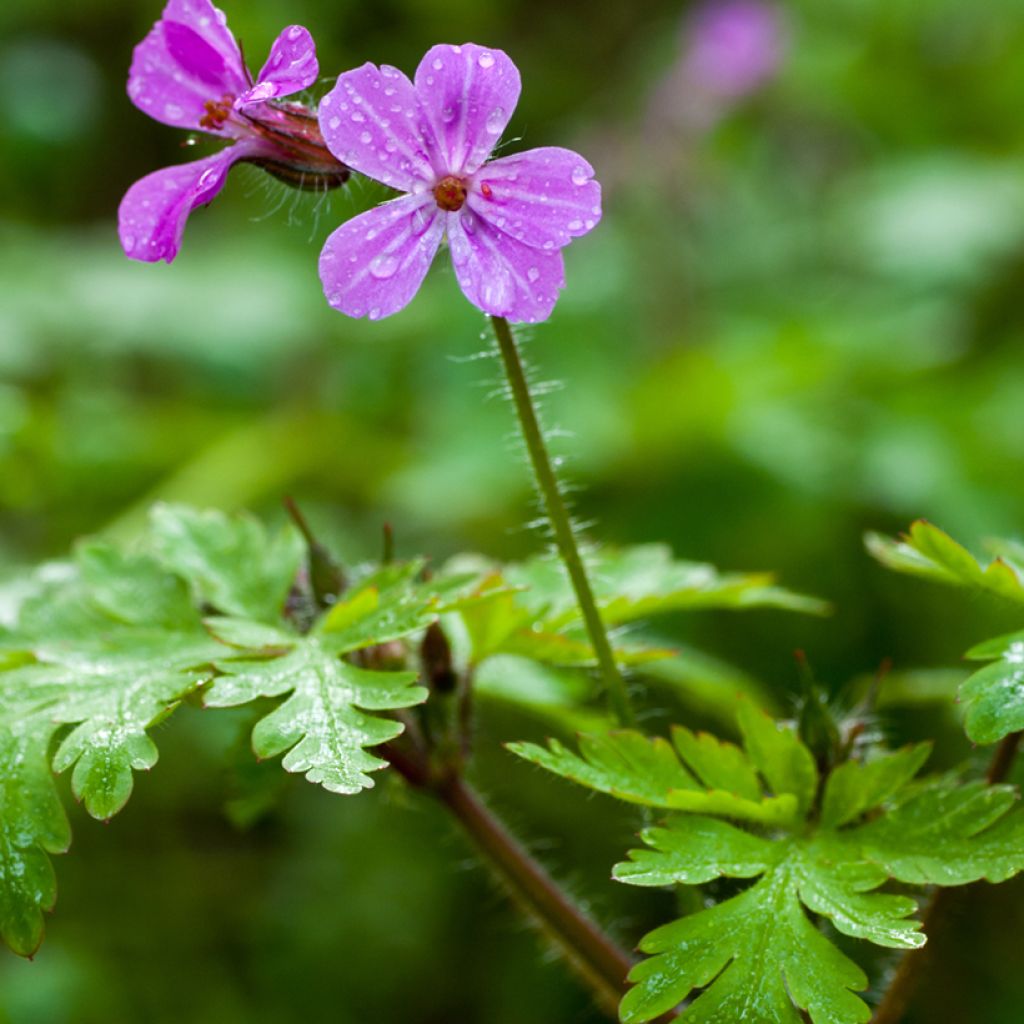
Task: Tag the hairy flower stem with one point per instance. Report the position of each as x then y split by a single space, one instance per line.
897 998
561 523
602 964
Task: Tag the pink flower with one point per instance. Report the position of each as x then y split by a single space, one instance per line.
506 221
737 46
189 73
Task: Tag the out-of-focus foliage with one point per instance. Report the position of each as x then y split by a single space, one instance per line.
798 320
993 697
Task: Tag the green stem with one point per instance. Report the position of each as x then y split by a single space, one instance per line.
561 523
899 994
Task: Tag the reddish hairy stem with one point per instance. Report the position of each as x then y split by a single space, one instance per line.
899 994
597 958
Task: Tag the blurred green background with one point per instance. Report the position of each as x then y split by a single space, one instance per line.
799 319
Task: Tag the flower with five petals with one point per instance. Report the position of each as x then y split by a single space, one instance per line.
506 220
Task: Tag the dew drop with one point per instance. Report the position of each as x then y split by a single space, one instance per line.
374 313
358 116
438 64
335 122
580 176
448 115
129 243
485 60
366 138
496 121
532 275
173 111
575 225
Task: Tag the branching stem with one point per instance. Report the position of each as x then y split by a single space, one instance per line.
898 995
561 523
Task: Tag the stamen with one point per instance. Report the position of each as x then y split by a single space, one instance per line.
217 112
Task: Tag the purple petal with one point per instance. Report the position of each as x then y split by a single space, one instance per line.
291 67
501 276
468 94
152 215
371 121
375 263
543 197
188 58
212 24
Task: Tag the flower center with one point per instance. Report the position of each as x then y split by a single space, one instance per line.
450 193
217 112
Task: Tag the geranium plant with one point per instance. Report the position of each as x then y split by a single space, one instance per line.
823 834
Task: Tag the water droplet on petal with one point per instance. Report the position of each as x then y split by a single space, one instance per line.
366 138
358 116
580 176
448 115
575 225
374 313
173 111
496 121
438 64
532 275
485 60
335 122
129 243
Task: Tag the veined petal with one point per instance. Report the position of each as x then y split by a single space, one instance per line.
188 58
468 94
375 263
212 24
151 217
291 67
371 121
542 197
501 276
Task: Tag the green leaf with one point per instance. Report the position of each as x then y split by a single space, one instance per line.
993 697
928 552
773 961
323 728
500 620
102 649
757 956
858 786
777 753
114 647
229 560
32 825
948 834
694 849
322 725
134 588
386 605
638 582
627 765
